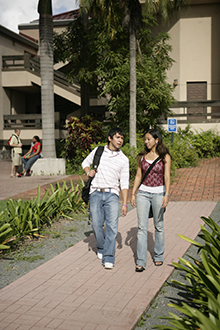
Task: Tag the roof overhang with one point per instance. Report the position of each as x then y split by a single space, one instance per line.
17 37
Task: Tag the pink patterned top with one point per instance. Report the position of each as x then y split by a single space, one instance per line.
156 176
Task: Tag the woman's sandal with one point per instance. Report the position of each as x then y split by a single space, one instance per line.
139 269
158 263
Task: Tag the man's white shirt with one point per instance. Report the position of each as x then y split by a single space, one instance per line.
112 170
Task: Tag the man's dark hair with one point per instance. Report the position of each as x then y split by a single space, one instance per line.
114 131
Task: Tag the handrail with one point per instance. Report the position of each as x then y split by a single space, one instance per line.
16 62
22 121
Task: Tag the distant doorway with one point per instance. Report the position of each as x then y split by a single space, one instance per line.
197 91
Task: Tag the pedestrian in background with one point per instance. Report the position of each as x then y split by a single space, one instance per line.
154 191
16 152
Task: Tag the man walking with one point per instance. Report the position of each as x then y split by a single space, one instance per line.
104 194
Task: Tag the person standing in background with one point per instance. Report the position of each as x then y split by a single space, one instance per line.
16 152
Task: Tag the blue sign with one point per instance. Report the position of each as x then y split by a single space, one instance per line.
172 125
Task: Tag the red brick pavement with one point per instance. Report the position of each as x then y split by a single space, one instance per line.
200 183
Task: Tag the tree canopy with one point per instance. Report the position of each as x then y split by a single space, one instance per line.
101 59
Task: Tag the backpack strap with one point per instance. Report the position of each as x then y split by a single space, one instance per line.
16 136
96 159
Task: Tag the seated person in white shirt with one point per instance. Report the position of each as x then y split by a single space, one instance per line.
104 194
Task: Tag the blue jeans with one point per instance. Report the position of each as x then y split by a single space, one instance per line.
144 200
28 162
104 206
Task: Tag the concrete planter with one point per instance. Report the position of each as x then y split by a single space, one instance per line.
49 166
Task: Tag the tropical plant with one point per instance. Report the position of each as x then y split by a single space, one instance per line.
67 200
47 77
20 217
82 133
44 208
5 235
201 310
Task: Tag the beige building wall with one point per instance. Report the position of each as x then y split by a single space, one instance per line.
196 51
11 44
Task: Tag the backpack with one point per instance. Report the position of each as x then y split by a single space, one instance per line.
9 140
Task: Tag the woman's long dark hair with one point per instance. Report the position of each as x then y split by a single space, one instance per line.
161 149
37 138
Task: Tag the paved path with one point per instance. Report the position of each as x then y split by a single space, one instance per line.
73 291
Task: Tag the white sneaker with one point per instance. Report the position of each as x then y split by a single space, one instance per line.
108 265
99 255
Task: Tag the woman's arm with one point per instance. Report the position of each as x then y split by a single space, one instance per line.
167 167
137 182
28 152
35 153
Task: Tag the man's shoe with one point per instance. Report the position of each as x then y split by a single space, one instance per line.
108 265
99 255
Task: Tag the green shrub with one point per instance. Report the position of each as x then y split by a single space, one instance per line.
201 309
131 153
82 133
207 143
182 150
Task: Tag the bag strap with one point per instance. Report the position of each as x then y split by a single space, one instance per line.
96 159
149 169
15 136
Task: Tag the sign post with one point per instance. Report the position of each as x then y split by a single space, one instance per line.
172 127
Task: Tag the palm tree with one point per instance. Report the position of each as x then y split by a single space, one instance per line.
47 77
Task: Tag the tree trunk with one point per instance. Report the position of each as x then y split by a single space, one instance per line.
47 84
132 119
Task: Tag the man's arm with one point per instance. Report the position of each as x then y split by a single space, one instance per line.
88 161
124 208
124 182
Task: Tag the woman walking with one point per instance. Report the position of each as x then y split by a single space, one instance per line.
153 191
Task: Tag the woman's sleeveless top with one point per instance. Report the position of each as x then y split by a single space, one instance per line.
154 182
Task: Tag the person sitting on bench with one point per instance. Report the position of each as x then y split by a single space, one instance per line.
31 156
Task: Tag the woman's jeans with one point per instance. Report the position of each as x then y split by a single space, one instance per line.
144 200
28 162
104 206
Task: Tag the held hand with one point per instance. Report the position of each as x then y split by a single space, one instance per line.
133 200
165 201
123 211
91 173
20 145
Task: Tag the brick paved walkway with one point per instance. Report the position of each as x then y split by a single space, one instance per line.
200 183
72 291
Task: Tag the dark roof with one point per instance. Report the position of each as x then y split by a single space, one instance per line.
73 14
